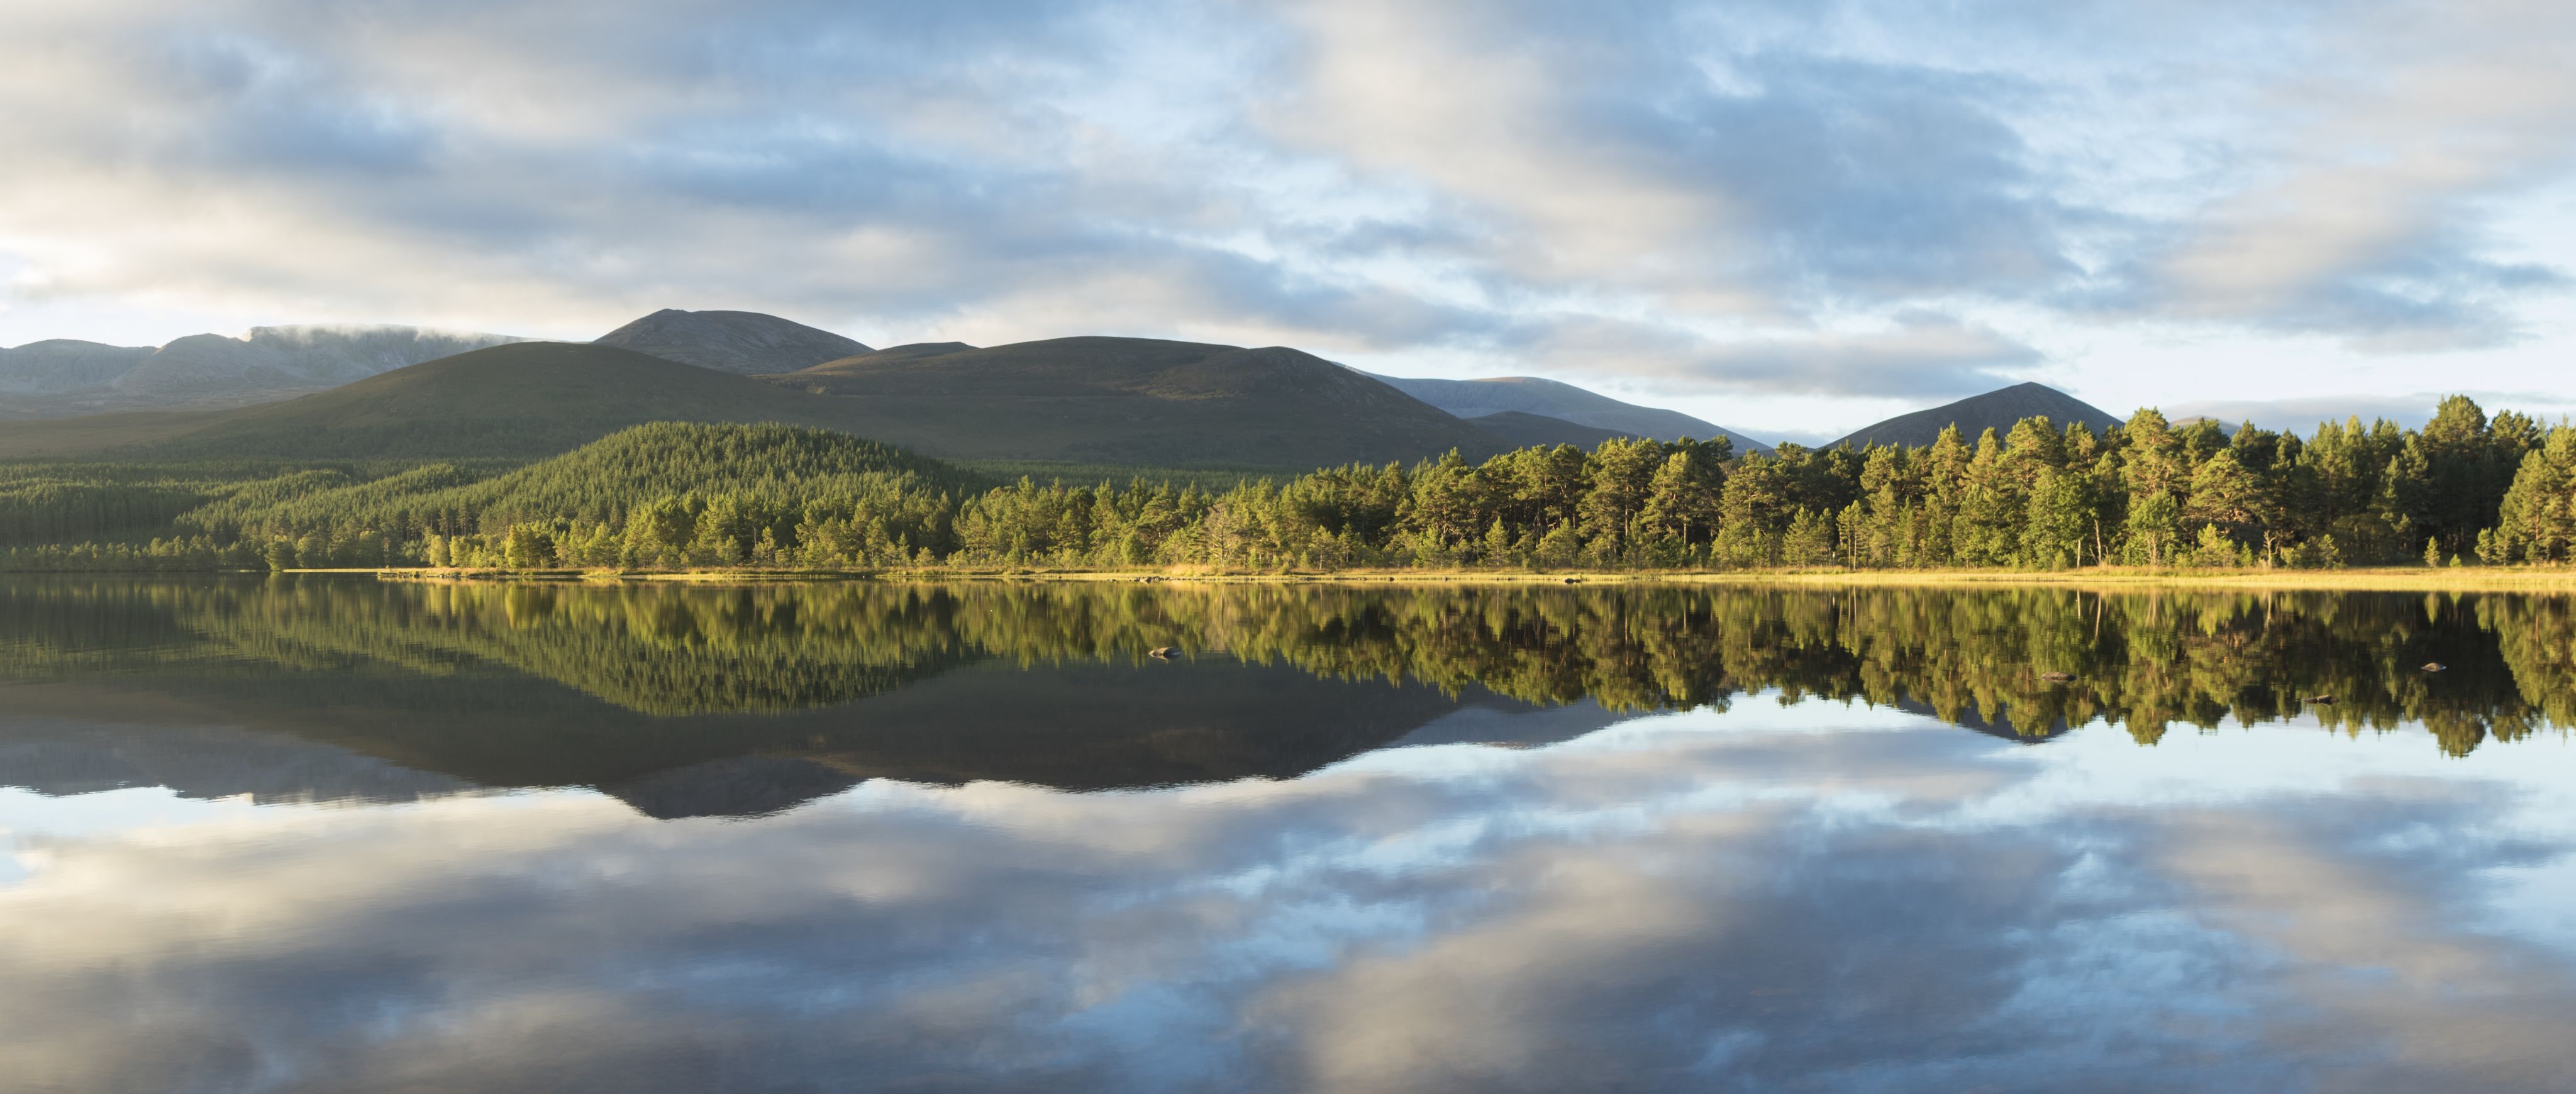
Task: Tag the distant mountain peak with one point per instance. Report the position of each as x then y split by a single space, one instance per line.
62 377
1479 398
746 343
1998 410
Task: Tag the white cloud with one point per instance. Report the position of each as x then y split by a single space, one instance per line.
1751 200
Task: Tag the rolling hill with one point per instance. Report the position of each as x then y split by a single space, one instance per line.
1517 429
1139 401
1565 402
741 342
1997 410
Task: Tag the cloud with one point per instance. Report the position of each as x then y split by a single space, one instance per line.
2360 213
1919 354
1791 188
2302 414
1701 898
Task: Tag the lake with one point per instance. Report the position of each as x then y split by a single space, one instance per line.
335 834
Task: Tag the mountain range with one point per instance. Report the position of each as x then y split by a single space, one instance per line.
378 391
64 377
1120 401
320 393
1484 399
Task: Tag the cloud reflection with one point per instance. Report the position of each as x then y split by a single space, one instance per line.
1813 897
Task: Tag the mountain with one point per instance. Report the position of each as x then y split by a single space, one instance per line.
520 399
1091 400
1529 394
1138 401
746 343
1997 410
911 350
63 377
59 365
1517 429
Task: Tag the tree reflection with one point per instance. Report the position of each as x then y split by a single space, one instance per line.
2032 660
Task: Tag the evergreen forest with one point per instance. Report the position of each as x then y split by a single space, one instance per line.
2465 489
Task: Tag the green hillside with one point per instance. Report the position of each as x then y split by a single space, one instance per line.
785 467
1136 401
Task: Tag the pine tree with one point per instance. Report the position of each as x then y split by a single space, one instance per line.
2055 528
1682 500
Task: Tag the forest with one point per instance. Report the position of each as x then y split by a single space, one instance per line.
2465 489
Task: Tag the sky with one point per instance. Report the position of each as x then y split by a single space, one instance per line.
1790 219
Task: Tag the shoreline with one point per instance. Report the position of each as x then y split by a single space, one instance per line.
2368 579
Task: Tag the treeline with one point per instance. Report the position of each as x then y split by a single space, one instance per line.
2465 488
2151 662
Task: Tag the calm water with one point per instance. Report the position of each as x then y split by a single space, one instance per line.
336 835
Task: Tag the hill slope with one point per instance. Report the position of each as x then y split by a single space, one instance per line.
1996 410
1518 429
745 343
1565 402
1137 401
62 377
523 399
605 478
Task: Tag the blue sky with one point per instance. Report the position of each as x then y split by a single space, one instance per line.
1790 219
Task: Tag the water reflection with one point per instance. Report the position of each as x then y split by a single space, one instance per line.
1810 898
1733 838
690 701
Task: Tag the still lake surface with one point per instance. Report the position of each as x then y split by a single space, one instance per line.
332 834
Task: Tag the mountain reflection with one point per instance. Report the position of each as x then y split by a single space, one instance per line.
1699 903
695 700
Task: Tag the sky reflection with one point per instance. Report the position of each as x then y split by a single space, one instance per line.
1811 896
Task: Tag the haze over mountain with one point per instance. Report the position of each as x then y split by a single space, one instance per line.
63 377
1997 410
1550 398
741 342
